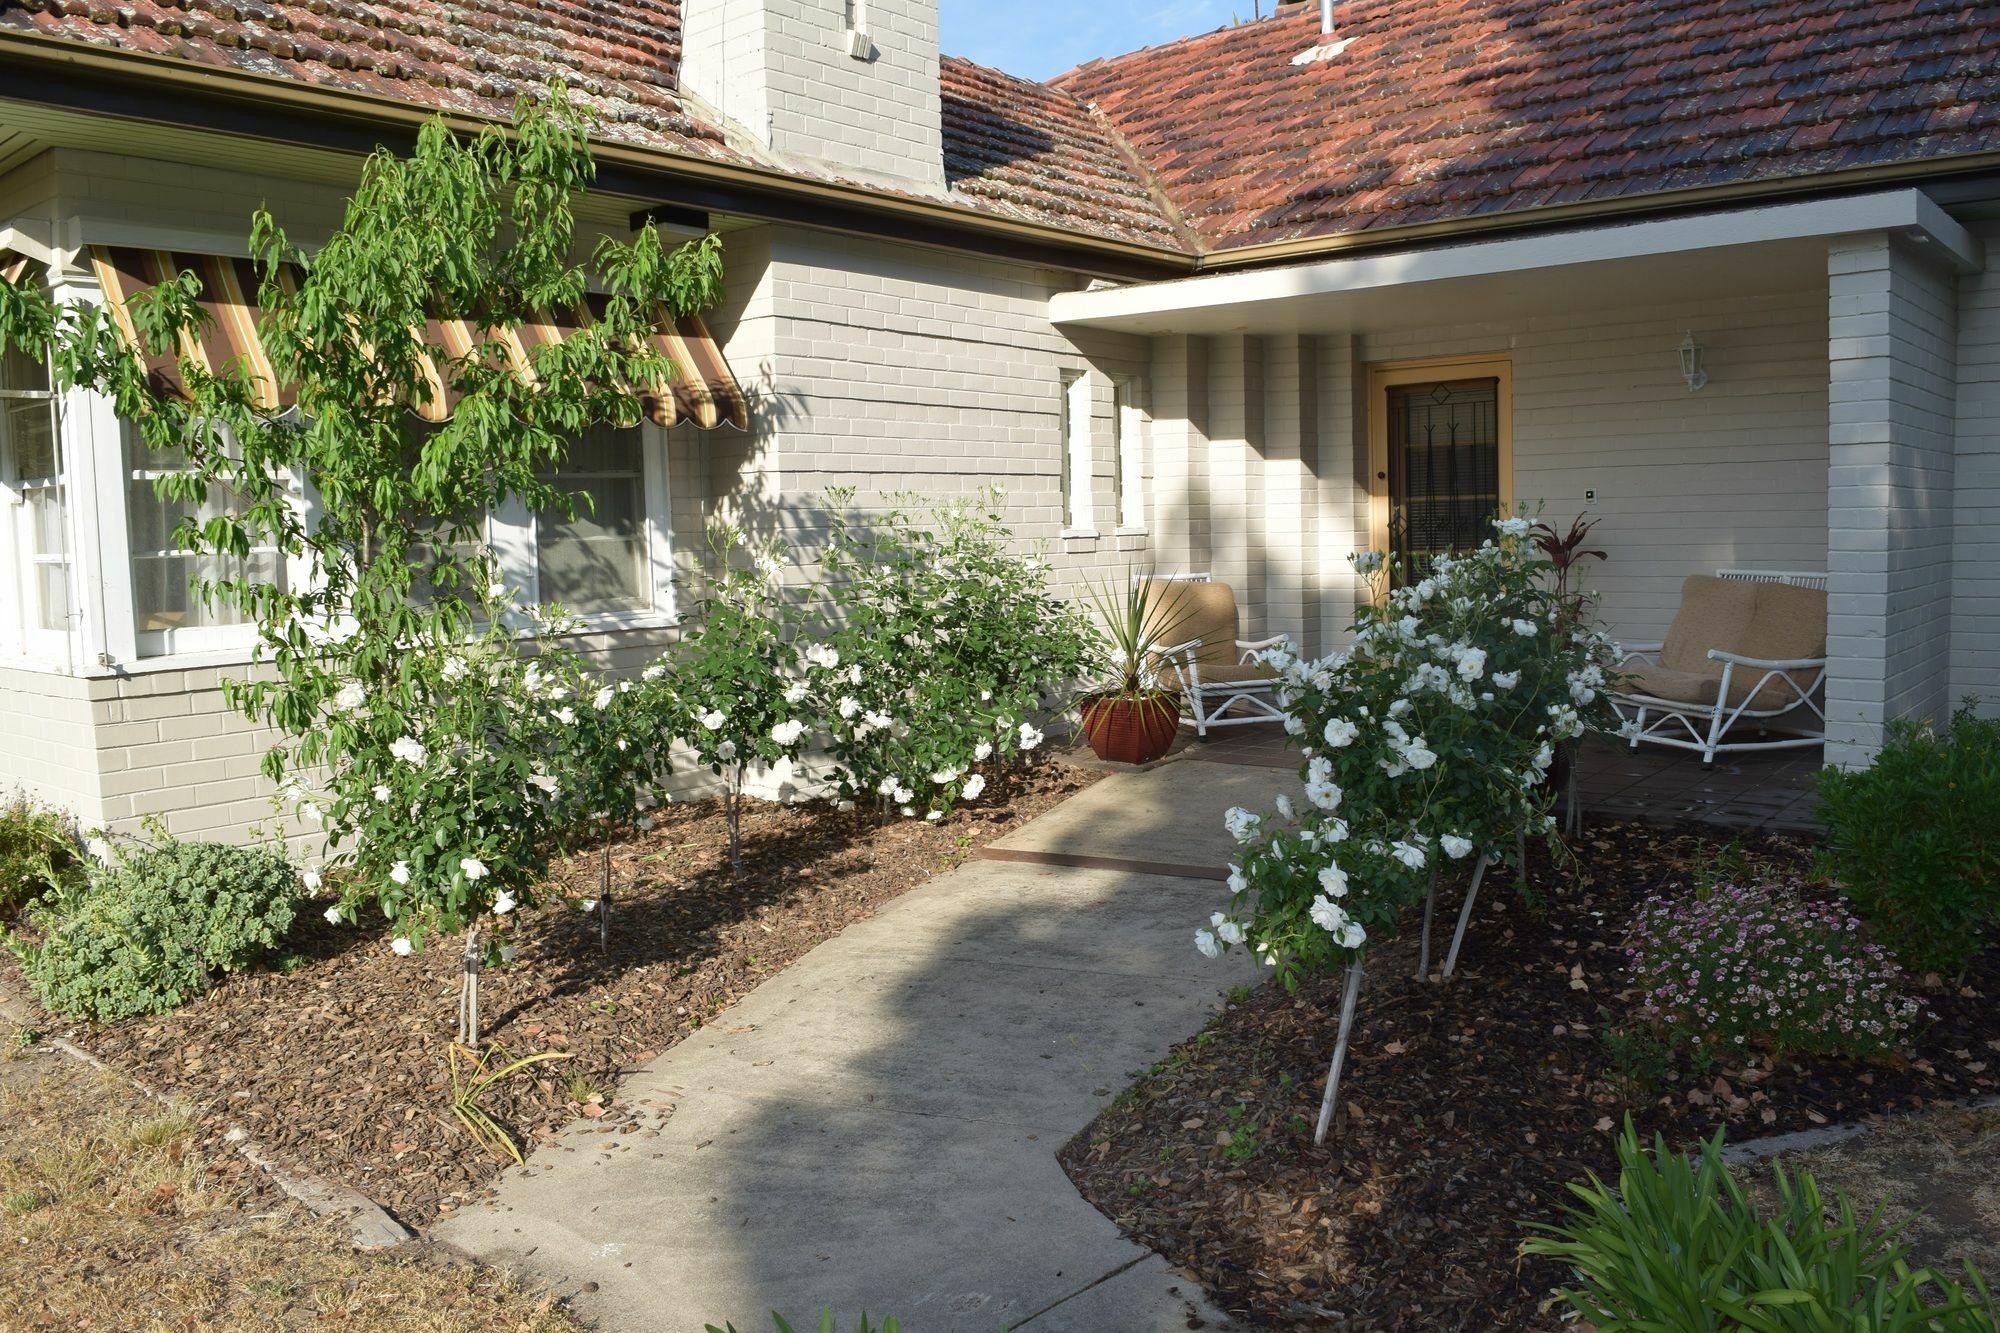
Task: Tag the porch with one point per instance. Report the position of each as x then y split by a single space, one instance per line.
1768 791
1764 390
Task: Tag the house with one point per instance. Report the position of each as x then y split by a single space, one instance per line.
1715 271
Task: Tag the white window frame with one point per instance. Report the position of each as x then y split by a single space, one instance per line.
512 536
187 640
1128 485
25 637
1079 476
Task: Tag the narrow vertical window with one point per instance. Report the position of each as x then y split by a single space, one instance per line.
1077 476
31 468
1128 484
598 562
170 612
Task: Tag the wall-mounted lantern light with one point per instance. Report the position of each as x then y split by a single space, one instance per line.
1691 370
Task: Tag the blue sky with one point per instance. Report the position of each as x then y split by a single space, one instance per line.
1037 38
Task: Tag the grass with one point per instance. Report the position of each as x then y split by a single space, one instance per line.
112 1217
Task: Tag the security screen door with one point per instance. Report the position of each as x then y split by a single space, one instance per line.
1444 467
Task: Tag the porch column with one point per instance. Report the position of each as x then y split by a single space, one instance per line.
1178 448
1892 381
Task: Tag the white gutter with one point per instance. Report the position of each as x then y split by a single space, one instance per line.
1908 211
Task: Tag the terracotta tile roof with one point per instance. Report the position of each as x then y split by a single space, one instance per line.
1445 109
1038 152
1011 147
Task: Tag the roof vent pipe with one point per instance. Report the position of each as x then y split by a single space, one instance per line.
1326 17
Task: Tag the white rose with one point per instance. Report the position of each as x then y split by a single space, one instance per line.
350 697
1409 854
310 878
1334 880
726 751
1326 914
473 868
1506 680
333 915
503 904
1455 847
1030 737
1229 932
981 751
400 872
400 946
1242 825
410 750
714 718
1204 940
603 698
973 786
1237 883
788 731
1340 732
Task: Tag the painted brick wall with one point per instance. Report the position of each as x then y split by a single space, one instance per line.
904 369
1892 345
48 749
1975 561
780 70
1732 476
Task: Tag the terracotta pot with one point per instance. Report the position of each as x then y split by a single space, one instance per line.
1131 731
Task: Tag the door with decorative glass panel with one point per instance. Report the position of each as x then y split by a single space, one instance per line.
1440 455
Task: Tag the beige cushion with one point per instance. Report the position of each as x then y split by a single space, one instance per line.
1714 613
1218 673
1177 612
1771 621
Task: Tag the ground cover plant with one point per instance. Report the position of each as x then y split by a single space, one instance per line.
40 850
337 1063
117 1217
1914 839
1468 1104
150 927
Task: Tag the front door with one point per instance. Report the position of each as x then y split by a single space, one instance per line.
1440 452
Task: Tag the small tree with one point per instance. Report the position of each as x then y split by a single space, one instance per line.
730 689
390 667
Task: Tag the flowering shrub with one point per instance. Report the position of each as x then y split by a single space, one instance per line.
730 689
451 779
1759 966
940 645
1425 743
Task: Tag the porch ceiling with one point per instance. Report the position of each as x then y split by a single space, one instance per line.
1709 256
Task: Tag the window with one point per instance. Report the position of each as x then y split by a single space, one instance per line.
169 614
1077 480
598 563
32 487
1128 466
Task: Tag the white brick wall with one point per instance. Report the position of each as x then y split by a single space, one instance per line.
1734 475
1892 398
780 70
1975 562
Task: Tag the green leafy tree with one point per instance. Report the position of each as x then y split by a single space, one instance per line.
390 665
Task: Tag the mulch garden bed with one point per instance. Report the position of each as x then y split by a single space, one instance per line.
338 1064
1468 1105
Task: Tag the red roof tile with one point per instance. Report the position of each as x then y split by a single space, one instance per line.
1011 147
1445 109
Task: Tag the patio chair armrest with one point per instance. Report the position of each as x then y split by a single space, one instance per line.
1176 649
1271 642
1767 663
1634 651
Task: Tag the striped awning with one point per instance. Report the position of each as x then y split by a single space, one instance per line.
701 390
14 265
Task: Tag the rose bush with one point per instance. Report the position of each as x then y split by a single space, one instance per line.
1425 743
939 646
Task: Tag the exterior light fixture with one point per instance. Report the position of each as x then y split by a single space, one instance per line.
1691 370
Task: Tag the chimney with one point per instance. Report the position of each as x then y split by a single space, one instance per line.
848 87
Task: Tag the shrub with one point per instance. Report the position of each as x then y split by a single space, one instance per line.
1759 965
1677 1244
940 645
38 852
147 932
1914 841
1425 742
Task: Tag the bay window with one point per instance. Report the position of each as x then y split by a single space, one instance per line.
33 489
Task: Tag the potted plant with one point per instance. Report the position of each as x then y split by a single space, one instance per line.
1129 716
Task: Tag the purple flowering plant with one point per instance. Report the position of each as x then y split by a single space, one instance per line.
1761 966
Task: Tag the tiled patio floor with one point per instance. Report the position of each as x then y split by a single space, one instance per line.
1771 791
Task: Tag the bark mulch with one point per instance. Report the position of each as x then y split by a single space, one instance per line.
337 1063
1468 1106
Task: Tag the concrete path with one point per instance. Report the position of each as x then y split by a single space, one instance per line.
876 1127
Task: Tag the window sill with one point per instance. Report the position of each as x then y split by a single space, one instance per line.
241 655
1079 534
1137 531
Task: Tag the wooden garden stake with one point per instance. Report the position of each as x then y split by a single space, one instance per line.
468 993
1347 998
604 892
1465 913
1424 946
